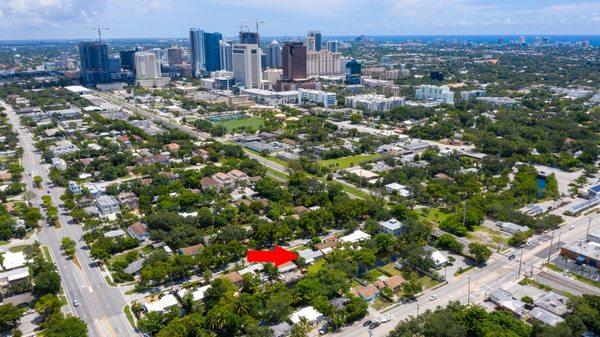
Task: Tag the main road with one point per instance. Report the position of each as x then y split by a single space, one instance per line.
499 272
100 305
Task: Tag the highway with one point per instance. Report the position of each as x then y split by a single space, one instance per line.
100 306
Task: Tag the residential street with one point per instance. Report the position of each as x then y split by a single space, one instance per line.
101 306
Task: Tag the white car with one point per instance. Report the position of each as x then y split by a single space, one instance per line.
571 227
433 297
384 318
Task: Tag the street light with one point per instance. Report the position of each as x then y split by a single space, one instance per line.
469 291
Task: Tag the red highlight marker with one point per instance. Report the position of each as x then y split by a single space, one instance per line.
277 256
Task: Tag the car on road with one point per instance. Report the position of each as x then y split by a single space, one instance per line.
374 325
433 297
384 318
76 303
512 257
323 330
571 227
368 322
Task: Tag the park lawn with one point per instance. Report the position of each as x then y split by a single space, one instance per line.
254 122
345 162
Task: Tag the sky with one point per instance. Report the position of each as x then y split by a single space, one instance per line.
74 19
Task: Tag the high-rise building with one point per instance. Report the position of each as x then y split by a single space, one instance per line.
522 40
114 64
332 46
197 51
226 52
435 93
249 38
212 52
147 66
206 51
174 56
353 69
315 40
128 59
294 61
323 62
94 62
274 55
159 54
246 65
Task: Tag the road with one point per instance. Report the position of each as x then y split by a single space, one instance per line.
101 306
498 272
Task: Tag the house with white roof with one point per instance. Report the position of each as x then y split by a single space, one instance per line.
395 188
356 236
392 226
309 313
162 305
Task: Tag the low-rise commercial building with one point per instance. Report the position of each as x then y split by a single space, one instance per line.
374 102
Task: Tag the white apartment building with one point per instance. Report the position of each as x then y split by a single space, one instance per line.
317 96
435 93
374 102
247 65
271 98
226 53
147 66
324 62
272 75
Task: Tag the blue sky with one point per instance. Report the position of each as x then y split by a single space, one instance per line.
33 19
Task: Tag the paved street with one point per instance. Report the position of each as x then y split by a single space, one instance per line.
101 306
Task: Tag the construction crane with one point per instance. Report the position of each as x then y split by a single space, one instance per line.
100 29
257 24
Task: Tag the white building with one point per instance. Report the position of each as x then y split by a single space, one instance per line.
397 188
107 205
309 313
356 236
271 98
247 65
324 62
163 305
272 75
374 102
147 66
226 53
435 93
317 96
274 54
467 95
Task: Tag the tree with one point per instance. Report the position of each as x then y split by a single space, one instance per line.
46 282
355 118
68 327
527 300
279 306
38 181
68 246
219 289
152 322
355 309
480 252
47 306
448 241
9 317
412 286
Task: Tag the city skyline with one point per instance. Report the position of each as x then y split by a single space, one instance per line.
74 19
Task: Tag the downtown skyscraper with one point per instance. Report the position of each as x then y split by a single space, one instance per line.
294 61
205 52
94 62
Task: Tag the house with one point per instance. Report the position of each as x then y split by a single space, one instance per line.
162 305
208 183
134 267
395 188
129 199
310 256
356 236
282 329
74 188
13 260
392 226
59 163
309 313
325 247
173 147
234 277
191 250
291 277
287 267
298 210
505 300
14 276
553 302
197 295
238 175
139 231
223 180
510 227
368 293
107 205
439 260
544 316
393 282
202 153
117 233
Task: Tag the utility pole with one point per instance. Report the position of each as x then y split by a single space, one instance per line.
520 263
418 305
550 249
469 292
558 241
465 214
588 228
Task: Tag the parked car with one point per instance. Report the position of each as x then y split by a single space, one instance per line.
512 257
433 297
384 318
367 323
374 325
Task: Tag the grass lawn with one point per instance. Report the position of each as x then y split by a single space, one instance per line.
379 304
46 252
372 275
428 282
315 267
16 249
129 315
345 162
433 214
390 269
254 122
